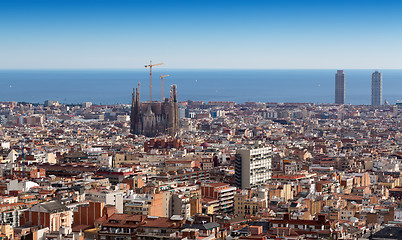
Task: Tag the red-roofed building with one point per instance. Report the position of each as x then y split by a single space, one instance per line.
309 228
127 226
86 214
222 192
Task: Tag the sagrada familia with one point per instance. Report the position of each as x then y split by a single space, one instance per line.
155 117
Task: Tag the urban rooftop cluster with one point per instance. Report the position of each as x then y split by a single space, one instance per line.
229 171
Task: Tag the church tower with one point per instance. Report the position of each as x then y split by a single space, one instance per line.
154 117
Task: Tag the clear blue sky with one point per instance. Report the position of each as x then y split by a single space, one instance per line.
80 34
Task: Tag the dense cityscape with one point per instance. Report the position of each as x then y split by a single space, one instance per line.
202 170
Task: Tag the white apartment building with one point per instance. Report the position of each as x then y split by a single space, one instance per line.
253 166
114 198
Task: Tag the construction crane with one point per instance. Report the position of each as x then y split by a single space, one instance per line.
162 76
150 77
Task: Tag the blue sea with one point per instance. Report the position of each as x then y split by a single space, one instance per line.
115 86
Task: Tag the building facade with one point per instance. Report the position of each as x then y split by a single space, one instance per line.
114 198
135 227
51 214
376 88
253 167
244 204
153 118
340 87
219 195
148 204
10 214
86 214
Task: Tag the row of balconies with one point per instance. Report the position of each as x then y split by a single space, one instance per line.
226 194
226 198
134 204
118 230
227 208
156 235
223 203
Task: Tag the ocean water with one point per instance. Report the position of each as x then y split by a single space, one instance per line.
115 86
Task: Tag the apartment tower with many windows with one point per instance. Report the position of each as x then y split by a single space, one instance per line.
253 166
340 87
376 88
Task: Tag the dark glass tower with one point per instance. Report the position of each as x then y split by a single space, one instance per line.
340 87
376 88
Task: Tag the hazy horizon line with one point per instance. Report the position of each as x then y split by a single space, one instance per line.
204 101
131 69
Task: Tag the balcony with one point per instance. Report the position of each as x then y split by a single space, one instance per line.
229 189
231 193
159 235
134 204
230 198
226 202
118 231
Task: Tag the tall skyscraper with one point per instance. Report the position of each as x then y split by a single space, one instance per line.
376 88
340 87
253 166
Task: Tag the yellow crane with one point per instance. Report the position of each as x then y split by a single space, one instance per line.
150 77
162 76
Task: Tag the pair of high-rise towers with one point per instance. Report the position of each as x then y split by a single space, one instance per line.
376 88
